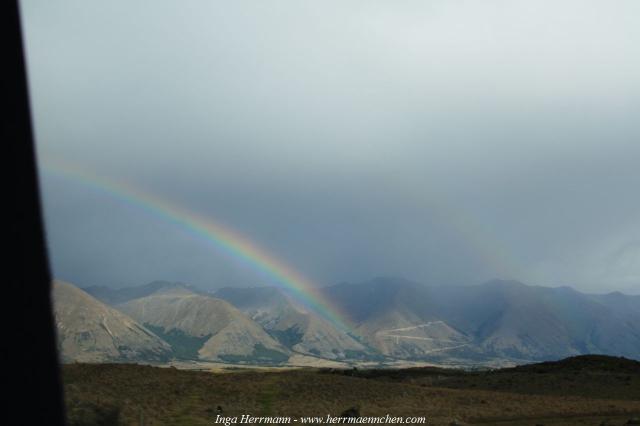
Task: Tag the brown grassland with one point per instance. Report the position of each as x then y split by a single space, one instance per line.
580 391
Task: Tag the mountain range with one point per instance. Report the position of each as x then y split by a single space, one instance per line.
499 319
390 319
90 331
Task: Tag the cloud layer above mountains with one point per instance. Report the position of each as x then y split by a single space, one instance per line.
448 142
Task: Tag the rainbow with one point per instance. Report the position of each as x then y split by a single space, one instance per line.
210 232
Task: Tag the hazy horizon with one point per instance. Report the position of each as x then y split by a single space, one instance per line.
372 279
450 143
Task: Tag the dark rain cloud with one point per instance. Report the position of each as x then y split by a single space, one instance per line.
448 142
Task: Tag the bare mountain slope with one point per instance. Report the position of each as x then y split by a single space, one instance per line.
399 318
204 327
90 331
496 323
511 319
301 331
495 320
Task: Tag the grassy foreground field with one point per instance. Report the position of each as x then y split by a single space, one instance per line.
580 391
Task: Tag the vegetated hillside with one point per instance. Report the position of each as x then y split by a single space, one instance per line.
203 327
590 376
600 364
90 331
496 320
124 394
302 331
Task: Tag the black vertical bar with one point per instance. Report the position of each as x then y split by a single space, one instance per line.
30 370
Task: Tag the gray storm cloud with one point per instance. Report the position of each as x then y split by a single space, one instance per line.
444 141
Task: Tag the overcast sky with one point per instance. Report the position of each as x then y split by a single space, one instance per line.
449 142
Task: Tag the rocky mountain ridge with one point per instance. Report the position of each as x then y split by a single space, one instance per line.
389 319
